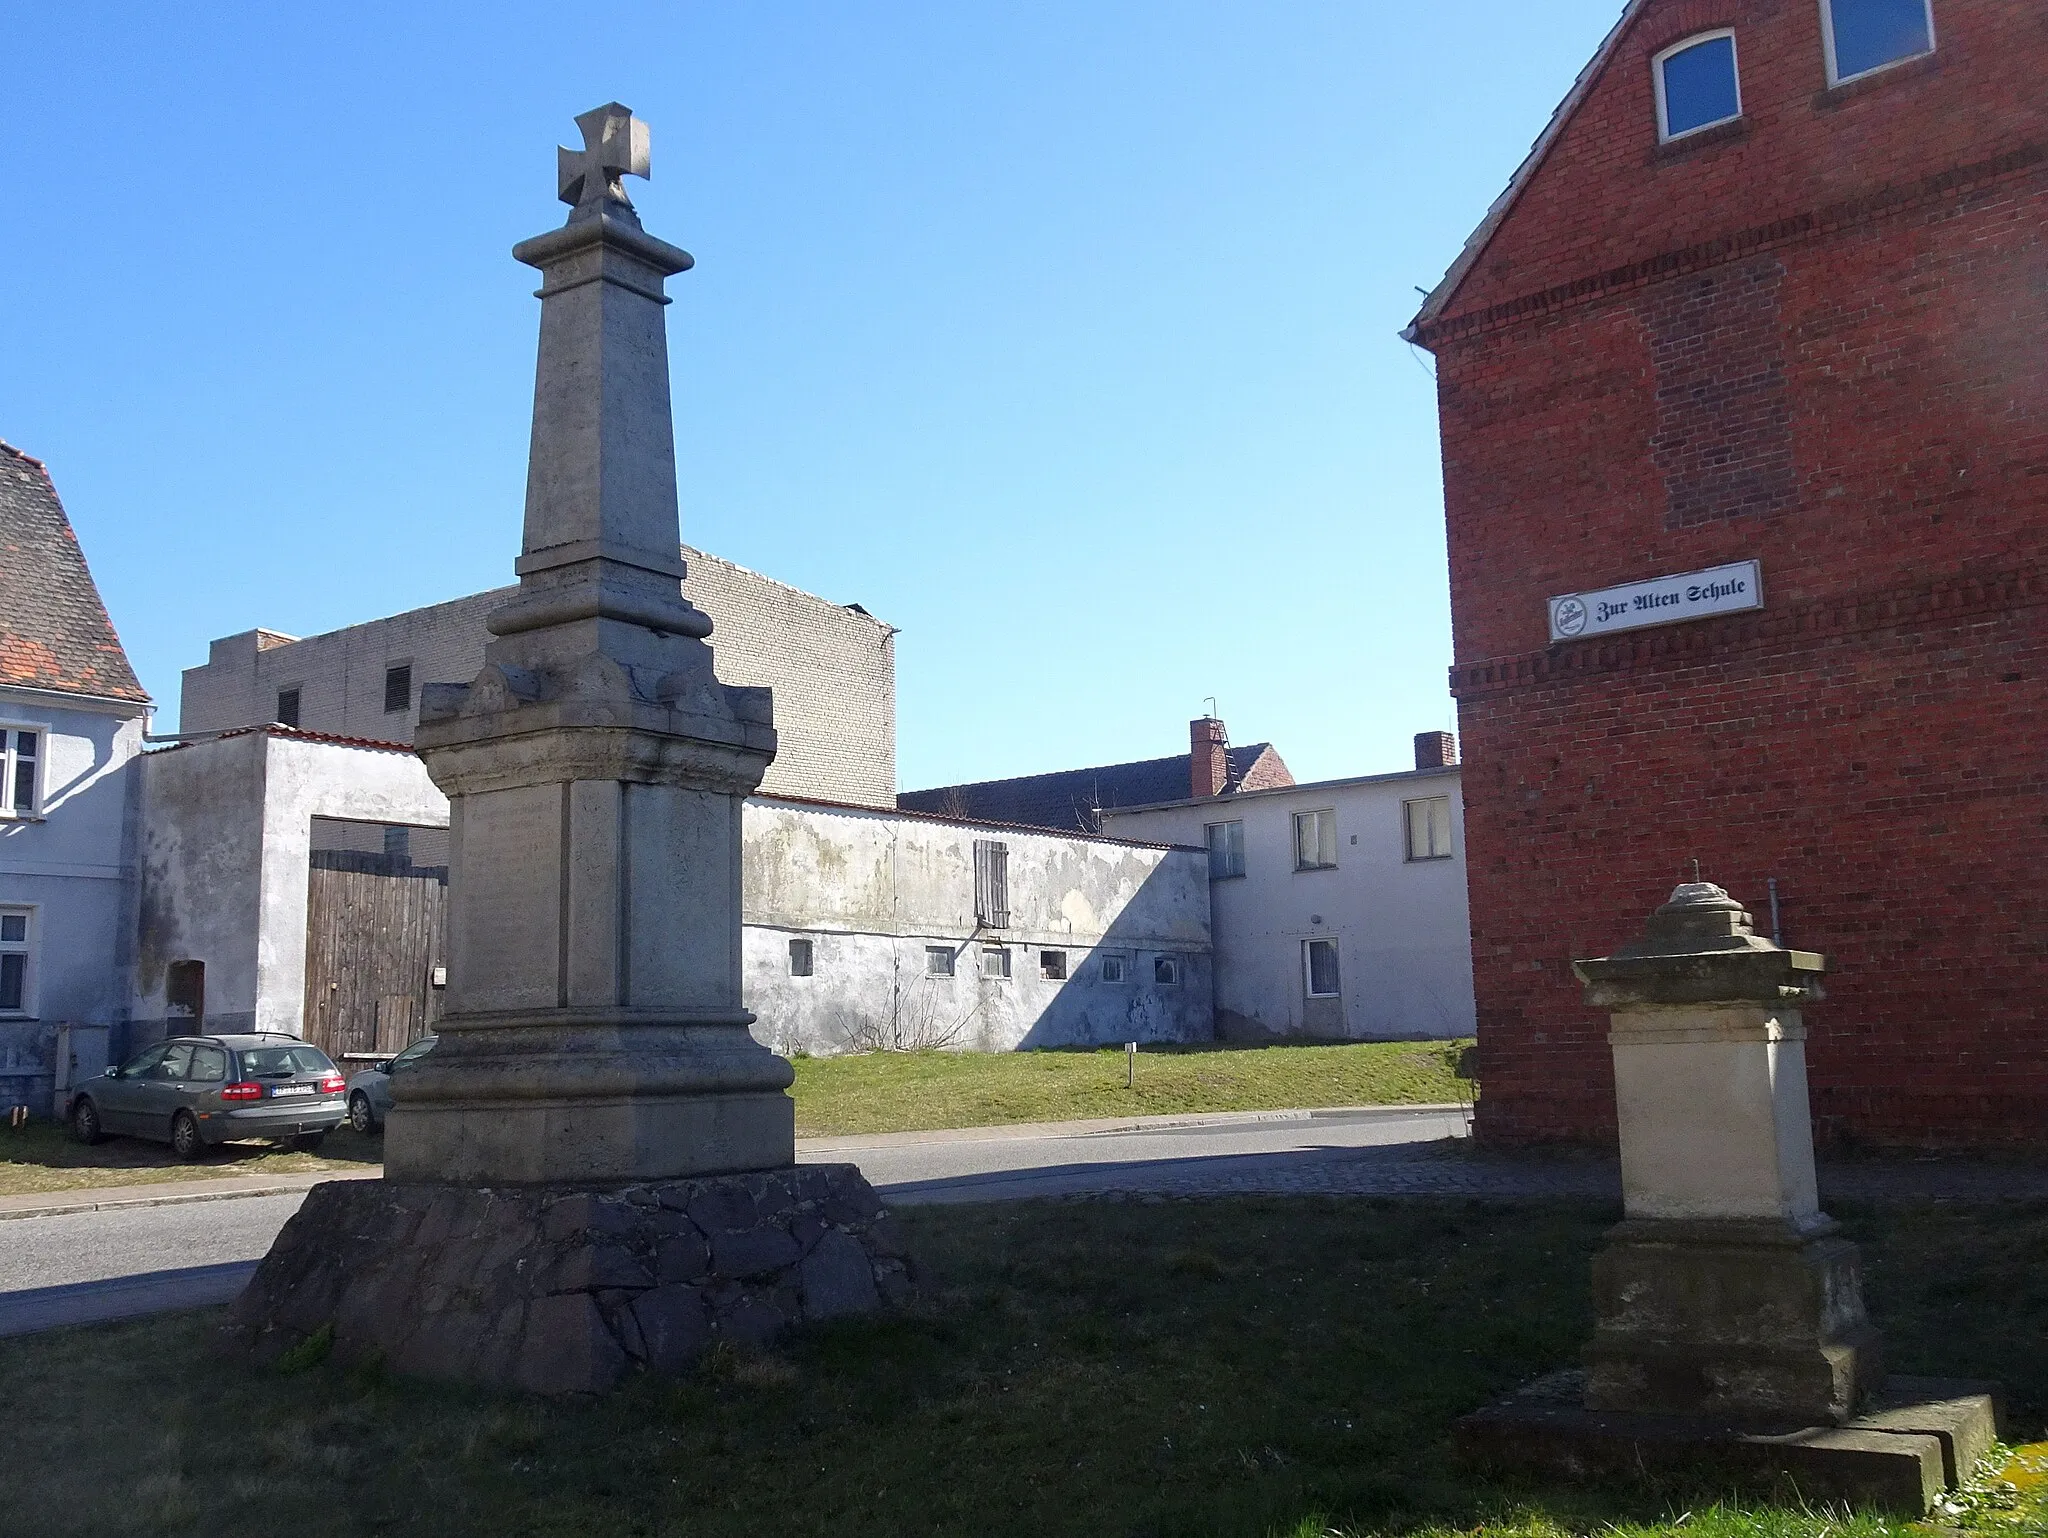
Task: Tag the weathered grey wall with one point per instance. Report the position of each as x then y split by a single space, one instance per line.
224 881
833 670
74 866
227 840
1402 930
873 890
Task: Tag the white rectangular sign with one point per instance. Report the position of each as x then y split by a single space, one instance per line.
1659 601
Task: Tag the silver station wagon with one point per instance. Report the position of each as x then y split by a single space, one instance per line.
196 1091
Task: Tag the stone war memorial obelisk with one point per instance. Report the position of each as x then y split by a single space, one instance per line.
1730 1336
595 1169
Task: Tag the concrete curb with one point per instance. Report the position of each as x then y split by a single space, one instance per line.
172 1193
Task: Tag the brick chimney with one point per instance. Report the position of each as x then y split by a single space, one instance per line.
1208 758
1435 750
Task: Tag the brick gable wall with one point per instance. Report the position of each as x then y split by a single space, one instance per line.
1818 342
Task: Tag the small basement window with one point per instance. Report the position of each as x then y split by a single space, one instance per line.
995 961
398 688
287 707
1052 966
1698 85
1166 971
799 958
1116 967
1865 36
938 961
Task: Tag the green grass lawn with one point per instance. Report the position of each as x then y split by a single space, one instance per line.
878 1092
903 1091
1271 1368
43 1156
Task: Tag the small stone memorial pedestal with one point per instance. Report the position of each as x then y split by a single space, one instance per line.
1730 1334
596 1165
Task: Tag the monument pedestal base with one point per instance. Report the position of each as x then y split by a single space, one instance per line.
1731 1318
1914 1441
566 1289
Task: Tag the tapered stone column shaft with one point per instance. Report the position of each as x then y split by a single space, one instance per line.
595 772
1726 1291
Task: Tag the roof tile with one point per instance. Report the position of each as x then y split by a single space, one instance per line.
54 630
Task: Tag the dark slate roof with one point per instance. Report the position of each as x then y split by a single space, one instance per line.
1070 798
54 631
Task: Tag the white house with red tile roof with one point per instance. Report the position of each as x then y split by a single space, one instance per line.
72 718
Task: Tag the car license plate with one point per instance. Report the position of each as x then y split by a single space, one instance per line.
279 1091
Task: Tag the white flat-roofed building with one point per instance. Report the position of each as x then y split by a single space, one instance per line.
1337 909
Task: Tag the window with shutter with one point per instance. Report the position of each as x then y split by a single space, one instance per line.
991 883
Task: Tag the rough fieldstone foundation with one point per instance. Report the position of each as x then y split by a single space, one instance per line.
561 1291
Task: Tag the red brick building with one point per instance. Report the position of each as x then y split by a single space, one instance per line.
1772 287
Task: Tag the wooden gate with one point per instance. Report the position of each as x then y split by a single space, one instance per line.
376 935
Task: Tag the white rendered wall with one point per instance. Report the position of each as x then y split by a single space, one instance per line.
74 867
1403 930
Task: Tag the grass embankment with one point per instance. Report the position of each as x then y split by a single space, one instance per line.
1244 1367
906 1091
42 1156
878 1092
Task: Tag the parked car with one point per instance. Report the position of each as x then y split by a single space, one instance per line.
196 1091
369 1092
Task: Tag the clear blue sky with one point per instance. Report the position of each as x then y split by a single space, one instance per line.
1061 335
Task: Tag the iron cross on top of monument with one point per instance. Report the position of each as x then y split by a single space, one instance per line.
615 145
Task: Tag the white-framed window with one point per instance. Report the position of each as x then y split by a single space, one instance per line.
17 961
1315 840
1699 84
1862 37
938 961
23 751
1115 965
995 961
1429 827
1319 969
1226 849
801 957
1166 971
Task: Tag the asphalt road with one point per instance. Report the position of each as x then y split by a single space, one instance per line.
1285 1153
75 1268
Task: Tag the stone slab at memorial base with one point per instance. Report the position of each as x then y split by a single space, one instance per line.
1914 1442
561 1290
